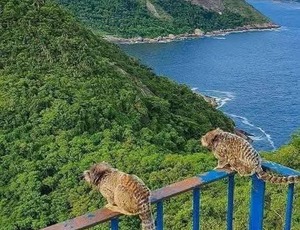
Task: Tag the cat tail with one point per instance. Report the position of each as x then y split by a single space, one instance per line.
146 217
268 177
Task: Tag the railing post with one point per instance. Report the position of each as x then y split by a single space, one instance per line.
160 216
289 207
257 204
115 224
196 208
230 202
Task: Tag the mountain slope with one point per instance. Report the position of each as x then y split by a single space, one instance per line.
69 98
153 18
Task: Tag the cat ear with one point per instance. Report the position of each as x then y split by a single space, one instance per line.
97 175
99 170
214 135
219 130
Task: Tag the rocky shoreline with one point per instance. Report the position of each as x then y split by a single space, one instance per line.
214 103
210 100
197 34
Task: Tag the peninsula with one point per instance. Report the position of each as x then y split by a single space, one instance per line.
166 20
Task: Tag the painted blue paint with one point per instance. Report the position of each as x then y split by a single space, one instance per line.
212 176
160 216
196 208
289 207
90 215
115 224
230 202
257 204
280 169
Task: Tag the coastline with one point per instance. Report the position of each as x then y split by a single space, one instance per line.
214 103
197 34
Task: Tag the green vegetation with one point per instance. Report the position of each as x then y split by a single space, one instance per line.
133 18
69 98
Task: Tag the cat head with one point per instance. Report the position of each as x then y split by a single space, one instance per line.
208 139
96 173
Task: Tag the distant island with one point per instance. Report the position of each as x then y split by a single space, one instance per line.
166 20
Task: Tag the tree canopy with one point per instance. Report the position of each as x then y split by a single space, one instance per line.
69 99
134 18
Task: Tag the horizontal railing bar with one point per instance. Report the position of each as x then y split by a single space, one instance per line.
175 189
85 221
213 175
280 169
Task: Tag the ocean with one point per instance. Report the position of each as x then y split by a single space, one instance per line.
255 76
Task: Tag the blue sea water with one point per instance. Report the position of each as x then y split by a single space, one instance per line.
254 75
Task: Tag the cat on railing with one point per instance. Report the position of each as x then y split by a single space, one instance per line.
124 193
237 154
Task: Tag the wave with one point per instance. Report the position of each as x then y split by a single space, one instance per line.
282 28
245 121
221 97
257 138
219 38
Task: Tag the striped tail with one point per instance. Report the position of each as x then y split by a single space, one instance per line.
268 177
146 217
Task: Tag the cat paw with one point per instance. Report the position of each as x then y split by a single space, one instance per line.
226 169
112 207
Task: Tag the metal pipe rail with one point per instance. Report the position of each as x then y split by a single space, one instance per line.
194 184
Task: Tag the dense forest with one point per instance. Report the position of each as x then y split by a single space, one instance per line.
133 18
69 99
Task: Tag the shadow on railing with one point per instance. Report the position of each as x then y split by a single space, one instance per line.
194 184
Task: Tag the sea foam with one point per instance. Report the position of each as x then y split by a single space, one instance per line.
245 121
222 98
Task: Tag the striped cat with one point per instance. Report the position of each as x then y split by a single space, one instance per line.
235 153
124 193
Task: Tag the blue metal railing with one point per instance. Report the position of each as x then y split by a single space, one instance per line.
230 202
194 184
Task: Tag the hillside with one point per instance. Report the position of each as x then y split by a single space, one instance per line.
69 98
153 18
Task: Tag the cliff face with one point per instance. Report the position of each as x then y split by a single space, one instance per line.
154 18
214 5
